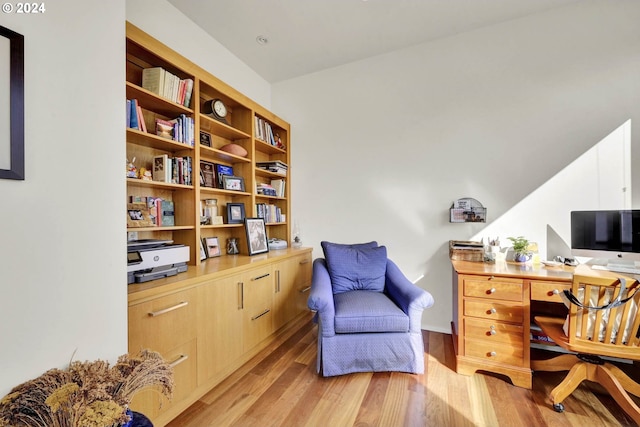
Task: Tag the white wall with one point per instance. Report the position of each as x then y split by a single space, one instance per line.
168 25
383 146
62 270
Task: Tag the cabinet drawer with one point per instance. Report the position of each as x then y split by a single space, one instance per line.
162 324
491 331
547 291
493 287
495 352
183 361
494 310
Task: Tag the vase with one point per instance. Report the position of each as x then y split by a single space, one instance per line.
521 257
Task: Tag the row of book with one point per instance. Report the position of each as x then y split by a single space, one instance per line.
167 85
181 129
270 213
153 211
175 170
211 174
264 132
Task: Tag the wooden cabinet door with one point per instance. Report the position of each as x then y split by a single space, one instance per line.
292 284
257 302
219 325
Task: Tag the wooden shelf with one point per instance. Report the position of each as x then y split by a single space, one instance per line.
149 100
158 184
215 154
269 174
216 127
172 228
146 139
265 147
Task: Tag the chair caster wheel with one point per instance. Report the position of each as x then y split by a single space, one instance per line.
558 407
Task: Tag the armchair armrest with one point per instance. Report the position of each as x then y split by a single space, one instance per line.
410 298
321 297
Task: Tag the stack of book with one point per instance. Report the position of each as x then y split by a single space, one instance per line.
266 190
175 170
275 166
167 85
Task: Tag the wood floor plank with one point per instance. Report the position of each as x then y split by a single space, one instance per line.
280 388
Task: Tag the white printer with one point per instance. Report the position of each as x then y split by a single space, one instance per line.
150 259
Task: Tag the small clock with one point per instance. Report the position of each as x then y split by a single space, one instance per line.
217 109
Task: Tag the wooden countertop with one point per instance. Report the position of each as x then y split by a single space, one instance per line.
561 273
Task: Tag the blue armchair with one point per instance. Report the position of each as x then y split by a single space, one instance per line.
368 313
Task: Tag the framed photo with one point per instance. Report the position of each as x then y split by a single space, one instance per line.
203 251
11 105
256 235
138 215
205 139
212 247
207 174
230 182
235 213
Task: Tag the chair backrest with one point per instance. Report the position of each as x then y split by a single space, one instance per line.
603 316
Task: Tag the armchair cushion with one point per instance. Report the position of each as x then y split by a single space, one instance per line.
356 267
368 311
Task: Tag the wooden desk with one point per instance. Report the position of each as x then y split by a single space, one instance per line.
492 314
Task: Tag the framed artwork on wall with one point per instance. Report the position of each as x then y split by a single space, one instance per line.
11 105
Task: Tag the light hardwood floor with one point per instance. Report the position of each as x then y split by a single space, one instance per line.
280 387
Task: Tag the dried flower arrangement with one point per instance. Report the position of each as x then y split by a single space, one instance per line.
88 394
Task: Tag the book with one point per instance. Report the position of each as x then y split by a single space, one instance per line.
134 114
279 185
153 80
166 213
188 91
141 124
161 167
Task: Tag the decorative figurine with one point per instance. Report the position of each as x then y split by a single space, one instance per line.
132 172
232 246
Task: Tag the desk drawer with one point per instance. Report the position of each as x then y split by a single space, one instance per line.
495 352
490 331
548 291
502 288
494 310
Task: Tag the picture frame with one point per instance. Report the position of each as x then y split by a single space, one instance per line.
232 182
12 94
203 251
212 247
207 174
235 213
138 215
205 138
256 236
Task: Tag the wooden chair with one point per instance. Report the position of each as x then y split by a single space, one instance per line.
603 320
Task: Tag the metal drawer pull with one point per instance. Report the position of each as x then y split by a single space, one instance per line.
241 295
493 354
493 311
302 291
493 330
179 360
492 290
555 292
305 261
261 277
166 310
261 314
277 281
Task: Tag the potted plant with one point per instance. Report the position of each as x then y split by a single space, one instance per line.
88 394
520 249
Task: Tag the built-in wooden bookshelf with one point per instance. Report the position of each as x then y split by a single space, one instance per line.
245 126
208 321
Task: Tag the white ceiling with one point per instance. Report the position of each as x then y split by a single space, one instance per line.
305 36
